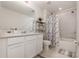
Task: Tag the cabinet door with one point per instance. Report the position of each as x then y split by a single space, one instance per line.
16 51
30 44
39 43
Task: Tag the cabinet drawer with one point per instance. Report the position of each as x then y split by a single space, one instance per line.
29 37
40 36
15 40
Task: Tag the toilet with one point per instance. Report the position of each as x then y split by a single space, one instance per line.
47 43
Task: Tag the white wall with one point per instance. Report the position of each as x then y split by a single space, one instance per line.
39 13
9 19
77 21
77 35
0 4
67 23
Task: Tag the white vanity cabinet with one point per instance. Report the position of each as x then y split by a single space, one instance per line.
26 46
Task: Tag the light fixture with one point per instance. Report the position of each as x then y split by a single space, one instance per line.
48 2
27 1
60 8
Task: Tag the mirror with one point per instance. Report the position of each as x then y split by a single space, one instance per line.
18 6
16 14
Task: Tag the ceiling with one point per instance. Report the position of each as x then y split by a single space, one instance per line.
23 6
54 6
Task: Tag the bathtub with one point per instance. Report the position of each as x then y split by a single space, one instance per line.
67 44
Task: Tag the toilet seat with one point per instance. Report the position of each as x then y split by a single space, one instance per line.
47 42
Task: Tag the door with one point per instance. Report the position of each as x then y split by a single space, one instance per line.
77 52
77 36
16 51
77 47
3 48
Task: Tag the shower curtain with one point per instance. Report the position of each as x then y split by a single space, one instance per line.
52 29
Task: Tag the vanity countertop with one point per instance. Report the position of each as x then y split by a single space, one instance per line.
10 35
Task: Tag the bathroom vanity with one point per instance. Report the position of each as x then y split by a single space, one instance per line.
21 45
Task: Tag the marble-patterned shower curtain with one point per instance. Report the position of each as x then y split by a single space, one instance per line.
52 29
